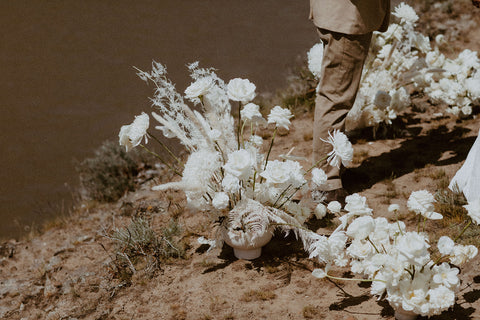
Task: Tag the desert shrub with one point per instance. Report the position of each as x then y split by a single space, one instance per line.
109 173
138 247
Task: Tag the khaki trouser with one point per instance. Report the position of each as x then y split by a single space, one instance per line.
343 59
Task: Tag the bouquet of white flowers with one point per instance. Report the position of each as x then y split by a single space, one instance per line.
402 265
226 174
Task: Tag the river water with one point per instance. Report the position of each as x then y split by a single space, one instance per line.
67 80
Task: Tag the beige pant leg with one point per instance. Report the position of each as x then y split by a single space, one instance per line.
343 59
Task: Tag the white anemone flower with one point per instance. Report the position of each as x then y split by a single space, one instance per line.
280 116
131 135
445 275
342 149
473 209
241 90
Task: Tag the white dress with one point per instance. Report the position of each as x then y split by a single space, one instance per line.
468 177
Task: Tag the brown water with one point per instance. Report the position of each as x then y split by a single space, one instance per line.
67 82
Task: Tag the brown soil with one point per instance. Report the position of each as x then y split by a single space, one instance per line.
67 273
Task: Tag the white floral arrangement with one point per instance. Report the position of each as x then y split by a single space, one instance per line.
226 174
402 57
402 265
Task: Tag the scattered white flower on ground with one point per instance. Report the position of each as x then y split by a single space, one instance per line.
342 149
241 90
280 117
131 135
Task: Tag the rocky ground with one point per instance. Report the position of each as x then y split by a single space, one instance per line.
74 270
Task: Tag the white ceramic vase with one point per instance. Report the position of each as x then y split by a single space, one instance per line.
401 314
245 245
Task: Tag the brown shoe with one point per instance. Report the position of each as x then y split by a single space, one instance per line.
336 195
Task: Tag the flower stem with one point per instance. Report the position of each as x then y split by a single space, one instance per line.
270 148
161 159
354 279
316 163
464 229
166 149
239 121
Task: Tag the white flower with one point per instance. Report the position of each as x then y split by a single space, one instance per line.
131 135
393 207
280 116
445 275
251 112
220 200
199 88
356 204
241 90
315 58
414 248
473 209
406 14
361 228
334 206
462 254
319 273
319 177
342 149
382 99
445 245
257 141
230 183
441 298
320 211
421 202
280 172
240 164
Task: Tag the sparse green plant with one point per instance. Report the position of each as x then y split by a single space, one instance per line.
138 246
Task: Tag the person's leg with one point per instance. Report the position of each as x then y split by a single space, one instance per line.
343 59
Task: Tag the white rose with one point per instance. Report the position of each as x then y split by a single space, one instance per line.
240 164
334 206
445 245
280 116
414 248
361 228
251 111
357 205
241 90
421 202
198 88
230 183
